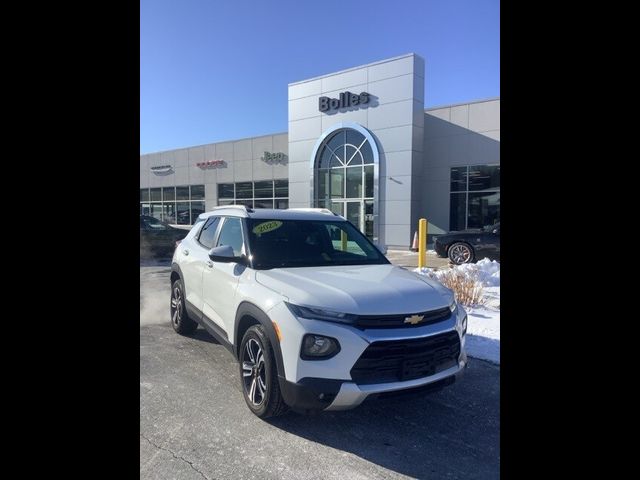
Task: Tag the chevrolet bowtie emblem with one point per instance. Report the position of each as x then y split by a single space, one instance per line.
414 319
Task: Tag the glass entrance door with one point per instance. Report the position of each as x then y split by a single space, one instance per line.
354 214
353 211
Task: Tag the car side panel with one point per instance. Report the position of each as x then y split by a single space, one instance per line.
255 293
219 284
191 258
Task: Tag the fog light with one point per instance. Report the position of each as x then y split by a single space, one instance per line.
318 347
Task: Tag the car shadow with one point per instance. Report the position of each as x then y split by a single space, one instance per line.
202 335
418 435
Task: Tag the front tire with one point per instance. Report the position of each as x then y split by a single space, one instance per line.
460 253
259 375
179 318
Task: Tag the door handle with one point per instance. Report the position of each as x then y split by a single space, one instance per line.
209 263
185 251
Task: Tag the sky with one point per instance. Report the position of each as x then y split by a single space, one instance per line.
216 70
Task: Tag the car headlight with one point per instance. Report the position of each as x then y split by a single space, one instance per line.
318 347
453 306
313 313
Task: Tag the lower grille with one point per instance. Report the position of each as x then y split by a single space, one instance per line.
400 360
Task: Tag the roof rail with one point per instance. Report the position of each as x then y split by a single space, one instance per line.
243 207
319 210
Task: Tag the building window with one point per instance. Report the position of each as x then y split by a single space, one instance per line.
262 194
156 195
174 205
475 196
344 178
197 192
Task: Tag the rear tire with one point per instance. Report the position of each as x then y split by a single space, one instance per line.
179 317
259 374
460 253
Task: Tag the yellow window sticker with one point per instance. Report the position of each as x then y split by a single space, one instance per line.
265 227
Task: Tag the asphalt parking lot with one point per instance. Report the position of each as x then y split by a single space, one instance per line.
194 422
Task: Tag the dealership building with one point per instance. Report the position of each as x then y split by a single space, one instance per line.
360 143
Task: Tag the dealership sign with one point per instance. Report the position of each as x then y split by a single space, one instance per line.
272 158
162 170
212 164
347 99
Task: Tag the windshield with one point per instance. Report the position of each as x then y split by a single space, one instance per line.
309 243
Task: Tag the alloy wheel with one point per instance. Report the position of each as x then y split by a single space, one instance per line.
254 372
176 305
460 254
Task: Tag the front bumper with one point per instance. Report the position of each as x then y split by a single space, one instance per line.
351 395
315 394
328 384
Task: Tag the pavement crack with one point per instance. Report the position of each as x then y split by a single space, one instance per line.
176 456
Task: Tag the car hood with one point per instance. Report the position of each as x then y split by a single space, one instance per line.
360 289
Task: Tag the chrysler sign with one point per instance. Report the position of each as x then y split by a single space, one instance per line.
212 164
347 99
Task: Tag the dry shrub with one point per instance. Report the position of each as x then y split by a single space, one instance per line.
468 290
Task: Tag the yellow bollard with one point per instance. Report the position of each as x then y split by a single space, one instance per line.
343 237
422 243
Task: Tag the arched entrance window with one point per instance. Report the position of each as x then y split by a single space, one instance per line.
344 177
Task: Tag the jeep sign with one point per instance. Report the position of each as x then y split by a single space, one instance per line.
273 158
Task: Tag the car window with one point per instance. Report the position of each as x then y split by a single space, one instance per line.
491 228
208 232
231 234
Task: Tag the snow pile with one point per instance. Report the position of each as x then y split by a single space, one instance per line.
483 329
486 272
483 332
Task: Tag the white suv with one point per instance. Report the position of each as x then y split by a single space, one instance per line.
316 316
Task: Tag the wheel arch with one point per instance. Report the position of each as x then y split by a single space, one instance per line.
176 273
249 314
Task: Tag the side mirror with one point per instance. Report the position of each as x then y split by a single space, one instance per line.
225 254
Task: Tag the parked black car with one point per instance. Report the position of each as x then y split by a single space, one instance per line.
157 238
467 246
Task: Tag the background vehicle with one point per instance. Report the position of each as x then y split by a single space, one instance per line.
157 238
467 246
316 316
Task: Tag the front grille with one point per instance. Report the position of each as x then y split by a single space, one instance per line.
395 321
399 360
